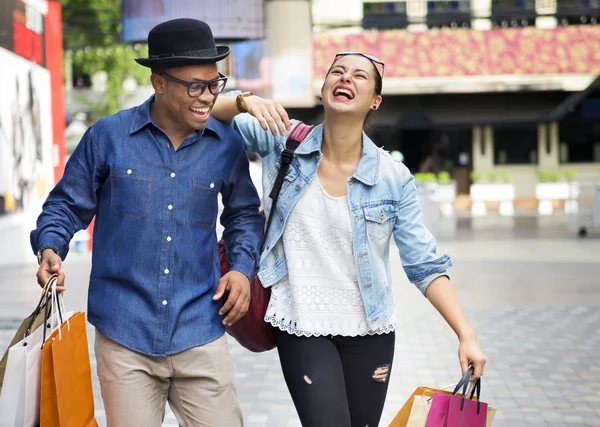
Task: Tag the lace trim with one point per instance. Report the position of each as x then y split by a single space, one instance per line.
285 326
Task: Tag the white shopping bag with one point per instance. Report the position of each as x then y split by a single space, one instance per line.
20 397
12 402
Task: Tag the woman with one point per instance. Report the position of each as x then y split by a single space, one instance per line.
327 253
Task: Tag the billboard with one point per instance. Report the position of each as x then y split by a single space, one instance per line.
26 167
229 19
26 132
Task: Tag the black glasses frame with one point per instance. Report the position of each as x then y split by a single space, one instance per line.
203 84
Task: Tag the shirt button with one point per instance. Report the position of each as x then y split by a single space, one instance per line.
165 302
172 174
129 171
169 239
170 207
166 271
280 218
297 186
212 185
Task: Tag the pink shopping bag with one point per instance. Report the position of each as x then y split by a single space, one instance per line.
458 411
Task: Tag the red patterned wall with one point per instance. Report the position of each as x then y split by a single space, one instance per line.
466 52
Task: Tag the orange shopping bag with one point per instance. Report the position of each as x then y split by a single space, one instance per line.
66 393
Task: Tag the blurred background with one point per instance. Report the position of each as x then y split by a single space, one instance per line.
494 105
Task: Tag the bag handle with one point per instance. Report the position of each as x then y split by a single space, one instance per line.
43 302
295 138
464 383
57 306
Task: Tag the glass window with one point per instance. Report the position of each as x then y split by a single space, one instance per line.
579 133
516 146
580 143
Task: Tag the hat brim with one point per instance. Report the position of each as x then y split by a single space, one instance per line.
182 61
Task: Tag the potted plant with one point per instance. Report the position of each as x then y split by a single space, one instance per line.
445 194
492 186
554 185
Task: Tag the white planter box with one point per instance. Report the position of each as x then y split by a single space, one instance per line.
441 195
549 191
444 193
503 193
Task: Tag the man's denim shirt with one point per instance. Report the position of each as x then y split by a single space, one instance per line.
155 264
383 203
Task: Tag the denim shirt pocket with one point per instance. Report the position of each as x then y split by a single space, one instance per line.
380 220
130 191
204 203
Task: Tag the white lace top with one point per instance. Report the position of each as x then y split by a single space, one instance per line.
320 294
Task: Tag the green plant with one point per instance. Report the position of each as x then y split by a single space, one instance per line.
569 175
422 178
444 178
547 176
476 177
494 177
91 40
505 176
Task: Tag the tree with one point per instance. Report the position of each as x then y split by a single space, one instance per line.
91 41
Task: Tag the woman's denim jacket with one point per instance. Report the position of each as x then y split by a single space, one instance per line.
383 202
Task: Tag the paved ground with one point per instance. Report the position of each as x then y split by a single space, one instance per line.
530 288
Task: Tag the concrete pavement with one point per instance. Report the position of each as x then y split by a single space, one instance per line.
530 289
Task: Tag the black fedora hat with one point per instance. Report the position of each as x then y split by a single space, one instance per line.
181 42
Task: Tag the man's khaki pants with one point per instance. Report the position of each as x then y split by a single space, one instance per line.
198 384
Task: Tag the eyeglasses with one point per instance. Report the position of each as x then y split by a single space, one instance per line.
197 88
378 63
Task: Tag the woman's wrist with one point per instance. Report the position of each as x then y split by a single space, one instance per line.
466 334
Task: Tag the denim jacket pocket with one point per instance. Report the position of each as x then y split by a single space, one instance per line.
130 191
204 202
380 220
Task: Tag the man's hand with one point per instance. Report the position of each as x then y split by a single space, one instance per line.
51 264
270 114
236 306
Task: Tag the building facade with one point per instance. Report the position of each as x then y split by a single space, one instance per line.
474 85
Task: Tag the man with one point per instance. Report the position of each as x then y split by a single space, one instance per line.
152 176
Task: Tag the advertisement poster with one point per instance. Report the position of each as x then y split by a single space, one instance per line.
26 172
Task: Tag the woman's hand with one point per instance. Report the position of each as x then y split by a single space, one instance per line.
270 114
470 354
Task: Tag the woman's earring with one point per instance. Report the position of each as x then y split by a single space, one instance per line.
320 99
374 107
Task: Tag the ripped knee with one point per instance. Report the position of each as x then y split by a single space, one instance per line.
380 375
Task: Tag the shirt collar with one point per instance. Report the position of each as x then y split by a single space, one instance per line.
142 118
367 170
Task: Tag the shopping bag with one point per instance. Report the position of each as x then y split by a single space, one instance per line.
66 391
35 319
19 399
403 416
419 412
458 411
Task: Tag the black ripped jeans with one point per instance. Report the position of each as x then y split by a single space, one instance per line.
337 381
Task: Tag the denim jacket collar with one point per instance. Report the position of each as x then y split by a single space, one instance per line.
142 118
367 170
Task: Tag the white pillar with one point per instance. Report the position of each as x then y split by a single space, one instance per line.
289 44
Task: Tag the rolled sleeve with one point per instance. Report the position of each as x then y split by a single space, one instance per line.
423 284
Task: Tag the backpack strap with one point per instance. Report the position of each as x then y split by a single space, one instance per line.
295 138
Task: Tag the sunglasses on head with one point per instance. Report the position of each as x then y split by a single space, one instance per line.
378 63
